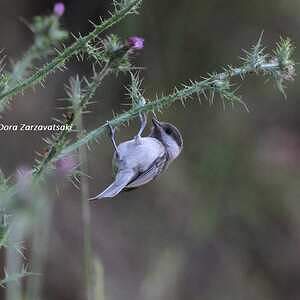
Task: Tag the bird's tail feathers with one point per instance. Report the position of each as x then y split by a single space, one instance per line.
122 179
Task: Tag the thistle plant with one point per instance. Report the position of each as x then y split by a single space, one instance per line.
122 9
65 152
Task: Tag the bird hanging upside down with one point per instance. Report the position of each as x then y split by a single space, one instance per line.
140 160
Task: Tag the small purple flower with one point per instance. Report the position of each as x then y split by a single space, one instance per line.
59 9
66 165
135 42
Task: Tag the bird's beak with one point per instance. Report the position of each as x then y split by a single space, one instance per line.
155 122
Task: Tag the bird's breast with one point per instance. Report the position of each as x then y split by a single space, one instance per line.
139 156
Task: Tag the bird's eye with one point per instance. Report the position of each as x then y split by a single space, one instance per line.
168 131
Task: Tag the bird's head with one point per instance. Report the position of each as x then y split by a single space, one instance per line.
169 136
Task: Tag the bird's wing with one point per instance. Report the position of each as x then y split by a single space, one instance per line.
122 179
152 172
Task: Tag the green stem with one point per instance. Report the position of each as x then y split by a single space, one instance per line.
19 70
196 88
60 139
58 145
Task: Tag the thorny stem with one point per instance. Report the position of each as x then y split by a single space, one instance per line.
196 88
242 71
21 67
52 153
60 60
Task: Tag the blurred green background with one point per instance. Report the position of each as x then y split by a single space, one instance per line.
222 223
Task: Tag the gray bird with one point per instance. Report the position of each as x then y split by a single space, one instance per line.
140 160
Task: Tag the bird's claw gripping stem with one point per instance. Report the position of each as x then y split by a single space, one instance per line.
143 120
112 132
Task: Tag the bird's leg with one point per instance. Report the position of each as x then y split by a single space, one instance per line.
112 132
143 119
155 116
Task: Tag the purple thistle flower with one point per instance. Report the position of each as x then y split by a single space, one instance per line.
135 42
66 165
59 9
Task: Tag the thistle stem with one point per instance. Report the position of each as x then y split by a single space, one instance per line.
58 145
195 88
53 152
